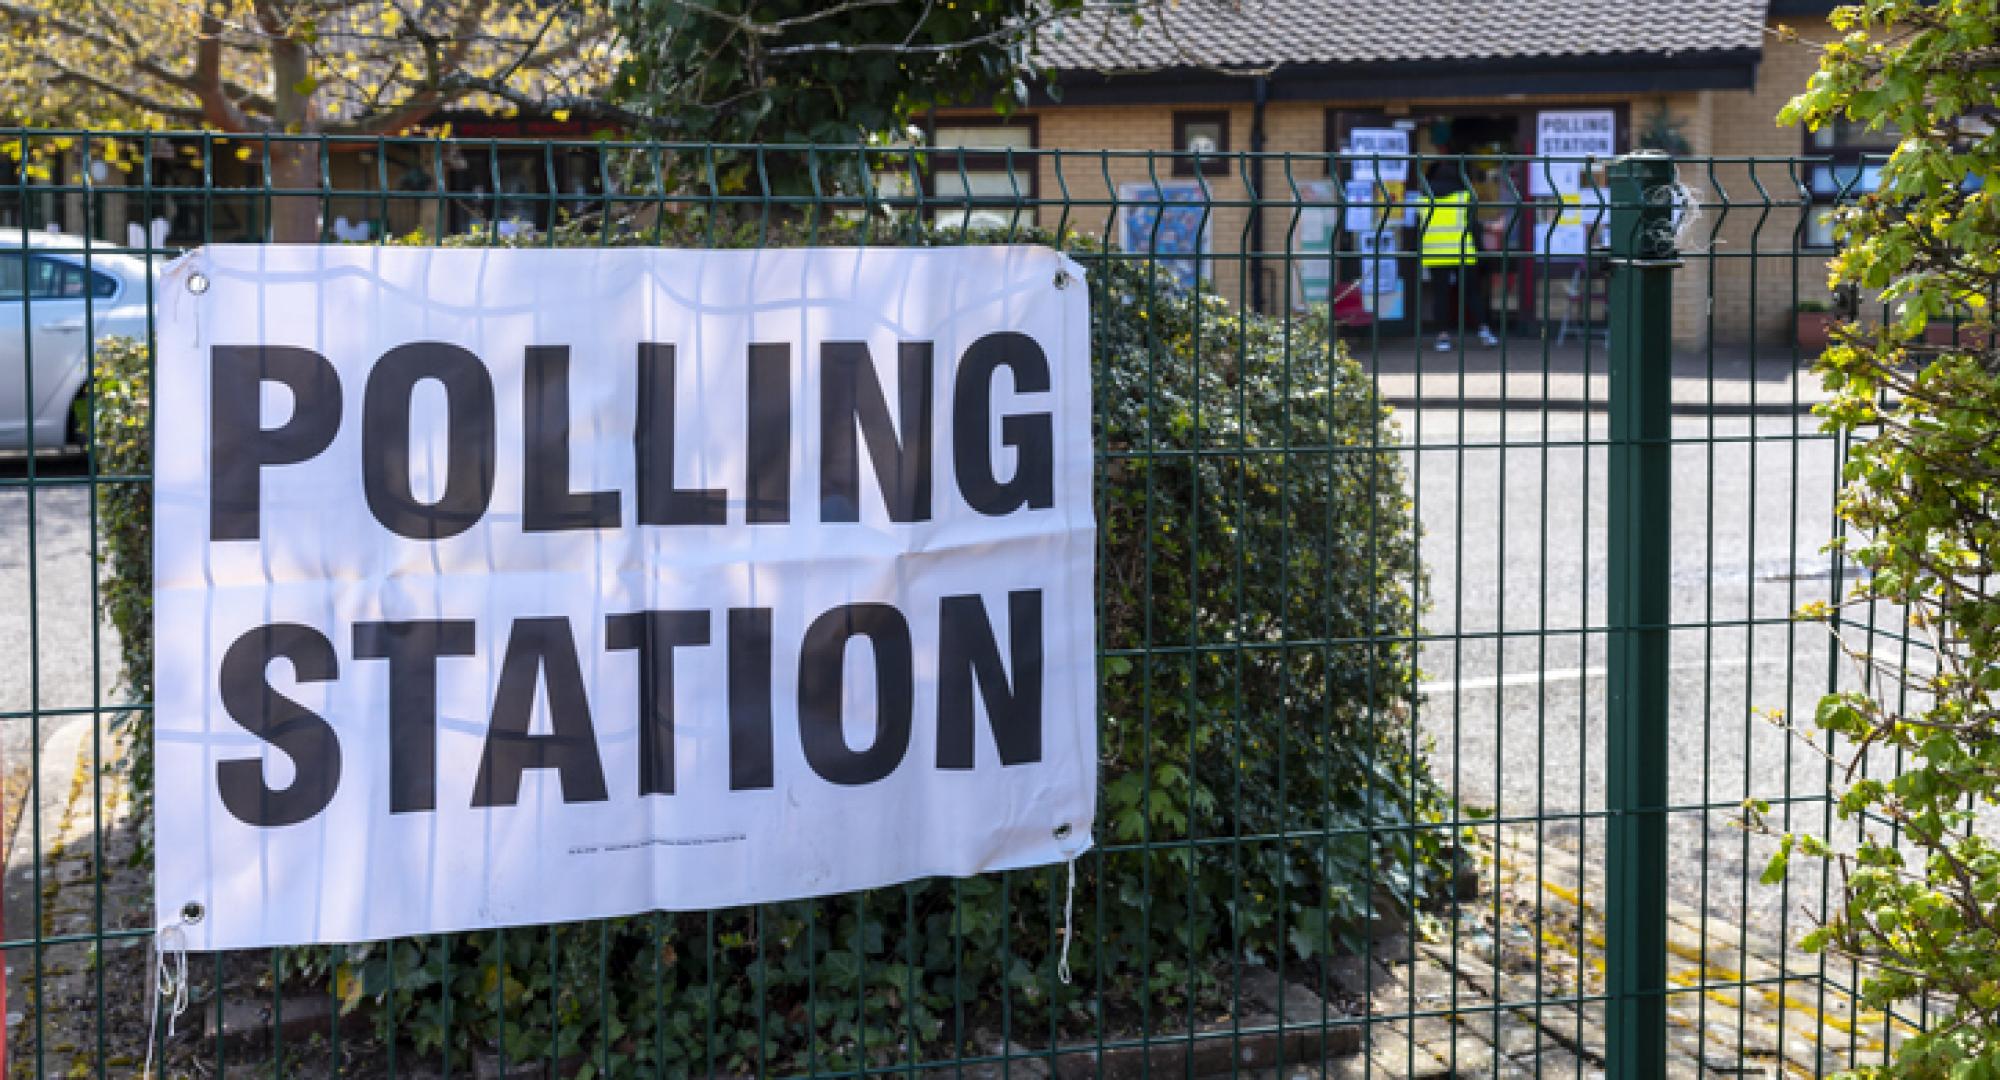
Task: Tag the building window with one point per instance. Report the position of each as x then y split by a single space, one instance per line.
1851 167
512 188
1203 133
982 173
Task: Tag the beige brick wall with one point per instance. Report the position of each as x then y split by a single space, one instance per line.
1110 145
1746 259
1742 281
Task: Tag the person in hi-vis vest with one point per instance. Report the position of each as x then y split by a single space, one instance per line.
1450 237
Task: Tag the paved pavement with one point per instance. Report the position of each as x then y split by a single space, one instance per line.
47 628
45 591
47 633
1522 374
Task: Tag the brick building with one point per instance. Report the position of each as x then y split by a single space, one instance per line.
1703 78
1699 77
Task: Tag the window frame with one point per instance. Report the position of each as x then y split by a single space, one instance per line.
935 158
1870 148
1184 164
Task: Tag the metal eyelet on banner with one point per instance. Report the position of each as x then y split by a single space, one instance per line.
1062 831
197 283
1063 279
191 912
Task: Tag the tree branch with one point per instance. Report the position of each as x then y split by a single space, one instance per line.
433 94
922 17
37 19
1005 33
587 108
216 106
66 73
773 29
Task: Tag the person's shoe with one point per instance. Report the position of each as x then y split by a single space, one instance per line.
1444 343
1487 339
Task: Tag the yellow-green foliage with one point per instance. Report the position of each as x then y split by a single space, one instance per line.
1922 497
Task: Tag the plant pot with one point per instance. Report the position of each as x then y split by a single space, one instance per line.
1940 333
1811 330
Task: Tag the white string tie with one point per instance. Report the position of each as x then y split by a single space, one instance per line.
170 981
1069 902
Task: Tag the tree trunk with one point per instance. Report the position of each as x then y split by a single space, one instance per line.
76 176
295 218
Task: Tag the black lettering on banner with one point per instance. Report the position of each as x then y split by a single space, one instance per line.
850 394
301 734
749 698
1032 435
660 502
768 435
821 662
967 652
412 649
547 503
656 634
385 440
538 649
240 445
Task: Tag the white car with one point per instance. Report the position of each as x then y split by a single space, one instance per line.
46 293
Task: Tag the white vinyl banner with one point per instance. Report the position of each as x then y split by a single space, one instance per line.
502 587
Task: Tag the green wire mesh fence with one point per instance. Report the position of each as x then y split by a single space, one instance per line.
1445 600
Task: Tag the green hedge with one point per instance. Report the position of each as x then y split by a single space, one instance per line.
121 419
1258 563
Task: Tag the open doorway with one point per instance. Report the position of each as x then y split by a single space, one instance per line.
1529 266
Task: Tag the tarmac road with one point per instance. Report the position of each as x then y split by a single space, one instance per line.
1518 715
47 628
1515 705
47 632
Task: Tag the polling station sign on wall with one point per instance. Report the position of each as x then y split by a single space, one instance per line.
1570 136
515 586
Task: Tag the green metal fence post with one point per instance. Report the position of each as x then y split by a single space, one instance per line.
1643 258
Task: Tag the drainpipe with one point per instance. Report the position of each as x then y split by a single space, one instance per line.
1263 94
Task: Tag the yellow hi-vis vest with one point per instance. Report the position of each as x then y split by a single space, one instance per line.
1447 235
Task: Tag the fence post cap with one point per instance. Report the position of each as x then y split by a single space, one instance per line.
1643 200
1643 163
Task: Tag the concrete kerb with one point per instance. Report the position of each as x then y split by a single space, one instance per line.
62 753
1582 405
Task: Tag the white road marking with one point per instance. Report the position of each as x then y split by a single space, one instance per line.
1554 676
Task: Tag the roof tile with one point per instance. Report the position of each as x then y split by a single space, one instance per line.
1260 34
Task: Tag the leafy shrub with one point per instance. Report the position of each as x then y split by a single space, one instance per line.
1920 873
121 419
1263 796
